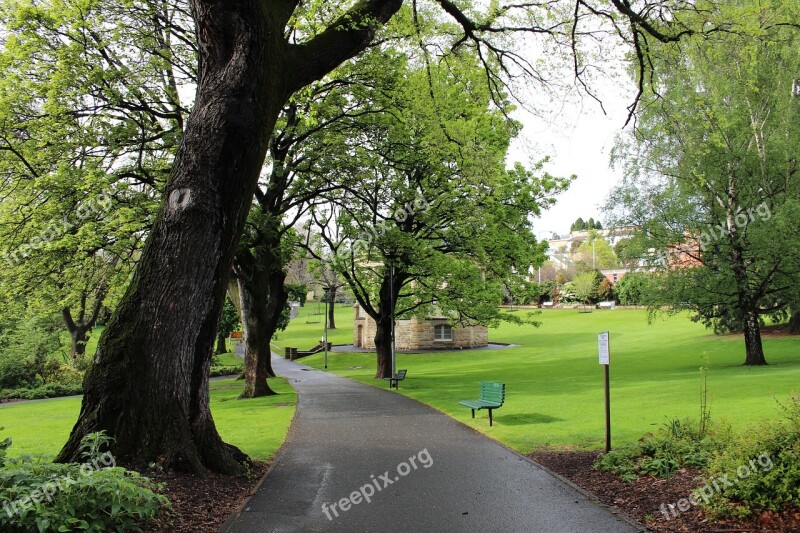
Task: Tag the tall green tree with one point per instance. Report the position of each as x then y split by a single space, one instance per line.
713 171
90 118
253 56
427 218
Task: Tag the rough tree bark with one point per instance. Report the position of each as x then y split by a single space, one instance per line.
263 298
388 294
794 320
383 345
148 387
747 304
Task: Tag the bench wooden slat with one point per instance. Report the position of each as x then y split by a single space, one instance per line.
492 394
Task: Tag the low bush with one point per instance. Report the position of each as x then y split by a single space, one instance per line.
677 444
763 465
49 390
96 496
226 370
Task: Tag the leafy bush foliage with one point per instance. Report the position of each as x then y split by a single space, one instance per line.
15 374
225 370
677 444
635 288
28 369
49 390
774 481
42 496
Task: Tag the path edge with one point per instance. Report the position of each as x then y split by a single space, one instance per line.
228 523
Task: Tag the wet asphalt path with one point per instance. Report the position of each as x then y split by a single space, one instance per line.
351 441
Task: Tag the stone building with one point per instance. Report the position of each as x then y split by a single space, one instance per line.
412 334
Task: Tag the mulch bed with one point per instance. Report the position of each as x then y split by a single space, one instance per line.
202 504
642 499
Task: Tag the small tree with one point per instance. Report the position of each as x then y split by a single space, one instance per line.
585 286
605 290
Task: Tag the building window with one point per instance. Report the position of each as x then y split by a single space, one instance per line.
443 332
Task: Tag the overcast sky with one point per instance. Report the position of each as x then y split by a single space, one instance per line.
579 140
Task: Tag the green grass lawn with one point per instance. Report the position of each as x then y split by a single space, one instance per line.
305 331
257 426
555 384
229 359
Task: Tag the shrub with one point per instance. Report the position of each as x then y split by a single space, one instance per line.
224 370
15 374
635 288
677 444
49 390
43 496
765 465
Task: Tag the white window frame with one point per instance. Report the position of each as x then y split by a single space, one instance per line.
443 333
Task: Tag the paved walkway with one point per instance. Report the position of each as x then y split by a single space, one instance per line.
421 470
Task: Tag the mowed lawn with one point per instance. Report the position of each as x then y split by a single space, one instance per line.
555 384
257 426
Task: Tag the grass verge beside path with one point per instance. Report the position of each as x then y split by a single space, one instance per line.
555 384
257 426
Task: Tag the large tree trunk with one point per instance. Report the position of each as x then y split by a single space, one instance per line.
263 298
794 320
331 307
222 348
746 302
148 387
257 368
388 294
383 346
752 340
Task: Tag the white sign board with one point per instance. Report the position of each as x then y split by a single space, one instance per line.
602 346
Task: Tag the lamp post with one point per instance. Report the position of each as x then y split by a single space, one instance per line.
325 290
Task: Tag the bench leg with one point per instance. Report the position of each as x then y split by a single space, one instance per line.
473 413
490 417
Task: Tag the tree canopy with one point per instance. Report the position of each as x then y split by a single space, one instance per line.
712 171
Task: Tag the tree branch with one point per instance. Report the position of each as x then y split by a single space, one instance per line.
344 39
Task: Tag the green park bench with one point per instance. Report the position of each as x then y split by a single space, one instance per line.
492 395
396 379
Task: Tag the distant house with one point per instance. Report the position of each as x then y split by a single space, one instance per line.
432 333
615 274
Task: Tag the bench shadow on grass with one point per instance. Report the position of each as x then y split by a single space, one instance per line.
521 420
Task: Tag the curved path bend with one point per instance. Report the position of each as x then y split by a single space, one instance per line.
421 471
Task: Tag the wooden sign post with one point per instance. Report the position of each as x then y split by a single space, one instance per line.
605 360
